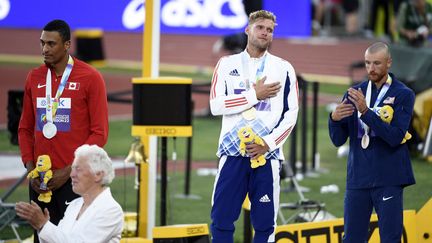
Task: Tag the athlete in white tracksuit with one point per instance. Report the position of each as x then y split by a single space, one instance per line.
259 91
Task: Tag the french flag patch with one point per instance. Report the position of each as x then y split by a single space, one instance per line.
73 86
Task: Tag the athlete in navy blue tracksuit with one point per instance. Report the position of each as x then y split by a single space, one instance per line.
257 90
379 166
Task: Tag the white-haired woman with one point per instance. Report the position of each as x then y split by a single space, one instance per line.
93 217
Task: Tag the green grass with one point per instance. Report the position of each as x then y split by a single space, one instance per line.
204 141
335 89
206 132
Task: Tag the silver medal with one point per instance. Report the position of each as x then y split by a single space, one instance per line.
365 141
49 130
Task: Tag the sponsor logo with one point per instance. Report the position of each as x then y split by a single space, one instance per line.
41 86
189 13
264 199
63 103
4 8
234 73
195 230
161 131
387 198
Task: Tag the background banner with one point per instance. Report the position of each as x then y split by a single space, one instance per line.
196 17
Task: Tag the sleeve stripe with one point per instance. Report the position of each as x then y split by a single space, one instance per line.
235 100
283 136
213 89
214 81
236 103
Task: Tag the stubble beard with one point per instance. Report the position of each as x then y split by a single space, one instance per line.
377 79
262 47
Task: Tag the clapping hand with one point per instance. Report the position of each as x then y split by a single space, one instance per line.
344 109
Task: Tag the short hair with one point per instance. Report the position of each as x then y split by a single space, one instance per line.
379 46
59 26
98 160
261 14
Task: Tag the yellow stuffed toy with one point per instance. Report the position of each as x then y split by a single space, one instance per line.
386 114
44 173
247 136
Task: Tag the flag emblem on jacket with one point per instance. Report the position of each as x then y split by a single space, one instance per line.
389 100
73 86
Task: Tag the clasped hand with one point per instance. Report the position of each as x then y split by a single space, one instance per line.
60 176
255 150
264 91
346 109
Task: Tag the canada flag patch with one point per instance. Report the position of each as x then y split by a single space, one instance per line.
73 86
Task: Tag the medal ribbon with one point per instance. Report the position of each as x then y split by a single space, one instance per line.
381 95
52 105
259 71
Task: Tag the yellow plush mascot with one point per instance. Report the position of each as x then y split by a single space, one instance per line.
44 173
247 136
386 114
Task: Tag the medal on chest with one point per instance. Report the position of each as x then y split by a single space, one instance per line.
365 141
49 130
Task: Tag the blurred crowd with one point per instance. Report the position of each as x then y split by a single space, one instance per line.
407 22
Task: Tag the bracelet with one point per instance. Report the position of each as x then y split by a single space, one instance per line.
362 112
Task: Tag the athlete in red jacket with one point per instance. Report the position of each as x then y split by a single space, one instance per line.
65 106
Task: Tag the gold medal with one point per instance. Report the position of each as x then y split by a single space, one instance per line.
365 141
249 114
49 130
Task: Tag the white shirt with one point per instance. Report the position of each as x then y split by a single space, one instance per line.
232 93
101 222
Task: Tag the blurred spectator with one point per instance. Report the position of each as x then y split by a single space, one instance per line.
389 23
376 4
350 8
414 22
236 43
325 12
317 13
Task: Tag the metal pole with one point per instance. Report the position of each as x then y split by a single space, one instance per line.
247 228
188 160
304 128
314 123
164 160
13 187
188 166
293 155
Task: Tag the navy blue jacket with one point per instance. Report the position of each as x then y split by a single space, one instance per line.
385 162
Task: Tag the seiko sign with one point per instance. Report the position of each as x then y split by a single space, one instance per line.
162 132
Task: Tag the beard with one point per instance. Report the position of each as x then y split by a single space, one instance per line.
260 45
375 77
